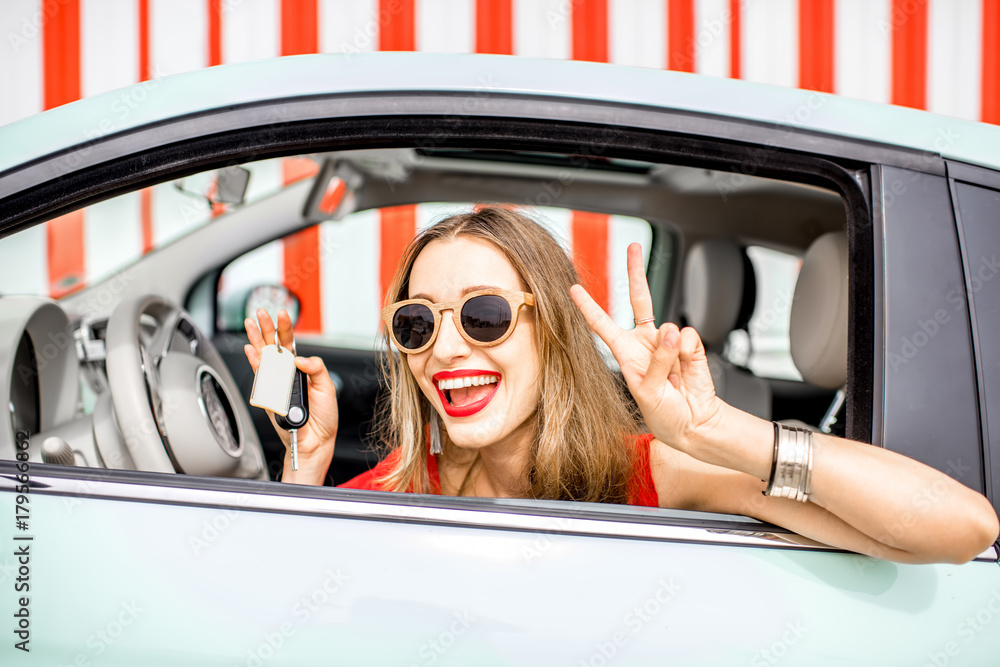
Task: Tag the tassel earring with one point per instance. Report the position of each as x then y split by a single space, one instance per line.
435 429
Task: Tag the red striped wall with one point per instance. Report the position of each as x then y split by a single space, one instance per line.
816 42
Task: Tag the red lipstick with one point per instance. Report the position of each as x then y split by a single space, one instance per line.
471 408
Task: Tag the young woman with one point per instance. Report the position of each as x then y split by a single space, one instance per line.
498 390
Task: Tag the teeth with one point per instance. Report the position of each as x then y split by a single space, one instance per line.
471 381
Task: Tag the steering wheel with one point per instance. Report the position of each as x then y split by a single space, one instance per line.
177 405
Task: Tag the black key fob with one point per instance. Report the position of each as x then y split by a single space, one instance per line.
298 405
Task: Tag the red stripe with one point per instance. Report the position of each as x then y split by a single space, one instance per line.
65 252
144 73
397 25
301 255
299 31
735 39
146 214
816 45
61 53
909 53
590 230
302 277
398 226
494 27
590 30
590 253
214 32
60 85
146 194
990 112
680 35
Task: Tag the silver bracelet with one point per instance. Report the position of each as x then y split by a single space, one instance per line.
791 475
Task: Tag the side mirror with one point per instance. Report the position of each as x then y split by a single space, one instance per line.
271 298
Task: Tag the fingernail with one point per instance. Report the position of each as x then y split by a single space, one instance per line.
672 338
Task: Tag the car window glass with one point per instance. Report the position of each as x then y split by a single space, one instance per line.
339 288
765 347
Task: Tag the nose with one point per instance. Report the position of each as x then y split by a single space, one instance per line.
449 344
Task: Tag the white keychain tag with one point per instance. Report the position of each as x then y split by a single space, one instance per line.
272 385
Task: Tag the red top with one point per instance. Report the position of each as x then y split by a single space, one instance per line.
643 492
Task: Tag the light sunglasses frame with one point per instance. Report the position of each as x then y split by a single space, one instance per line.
514 299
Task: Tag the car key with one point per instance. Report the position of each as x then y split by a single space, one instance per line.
297 415
273 385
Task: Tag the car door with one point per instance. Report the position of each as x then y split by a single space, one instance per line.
131 567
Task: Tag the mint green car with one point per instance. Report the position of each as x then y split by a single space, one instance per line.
143 523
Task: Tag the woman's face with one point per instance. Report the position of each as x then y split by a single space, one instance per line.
504 394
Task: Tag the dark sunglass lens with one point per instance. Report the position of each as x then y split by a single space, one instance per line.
413 326
486 318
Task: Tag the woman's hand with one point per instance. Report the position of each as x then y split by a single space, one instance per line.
316 438
666 369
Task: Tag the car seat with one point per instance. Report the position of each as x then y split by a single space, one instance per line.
818 328
718 298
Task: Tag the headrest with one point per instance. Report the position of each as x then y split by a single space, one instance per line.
819 313
713 289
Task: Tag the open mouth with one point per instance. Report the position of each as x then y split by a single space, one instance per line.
466 394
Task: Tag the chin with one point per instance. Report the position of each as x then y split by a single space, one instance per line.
473 436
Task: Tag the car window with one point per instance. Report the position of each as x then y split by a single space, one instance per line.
764 346
65 255
980 214
339 290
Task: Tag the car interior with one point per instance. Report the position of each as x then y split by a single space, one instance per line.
758 265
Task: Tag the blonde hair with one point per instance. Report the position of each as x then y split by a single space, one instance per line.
580 449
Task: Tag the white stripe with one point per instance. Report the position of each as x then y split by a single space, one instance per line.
862 49
349 279
623 230
712 25
24 258
348 26
542 28
112 236
178 39
249 30
262 266
446 26
637 33
104 23
176 213
954 57
770 42
20 60
266 178
428 214
556 220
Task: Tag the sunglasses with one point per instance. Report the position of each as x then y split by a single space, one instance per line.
484 317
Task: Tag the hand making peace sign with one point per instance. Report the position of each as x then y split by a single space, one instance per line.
666 369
